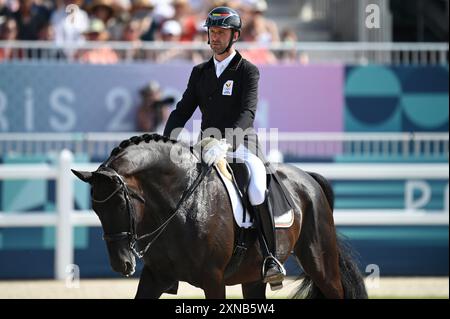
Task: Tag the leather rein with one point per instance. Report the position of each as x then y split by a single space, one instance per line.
131 235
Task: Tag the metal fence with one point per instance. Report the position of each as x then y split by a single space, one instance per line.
357 53
296 145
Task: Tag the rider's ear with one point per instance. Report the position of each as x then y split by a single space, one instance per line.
236 35
84 176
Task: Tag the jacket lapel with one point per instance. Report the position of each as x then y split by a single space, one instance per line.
234 63
232 67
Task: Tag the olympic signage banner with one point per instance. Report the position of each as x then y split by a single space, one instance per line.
60 97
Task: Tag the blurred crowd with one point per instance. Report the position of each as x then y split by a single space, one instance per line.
71 23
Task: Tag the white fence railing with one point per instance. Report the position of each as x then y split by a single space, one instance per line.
378 146
300 52
67 217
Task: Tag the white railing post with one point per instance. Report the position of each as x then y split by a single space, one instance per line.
64 204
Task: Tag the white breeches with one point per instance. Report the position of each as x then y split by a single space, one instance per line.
258 183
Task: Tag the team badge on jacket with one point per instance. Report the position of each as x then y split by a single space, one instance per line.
228 88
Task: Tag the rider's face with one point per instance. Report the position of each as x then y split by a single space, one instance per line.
219 39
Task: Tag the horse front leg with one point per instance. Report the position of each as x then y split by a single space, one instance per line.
214 285
152 286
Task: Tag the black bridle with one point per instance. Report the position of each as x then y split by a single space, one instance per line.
131 235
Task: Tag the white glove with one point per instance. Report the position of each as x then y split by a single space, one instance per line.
215 151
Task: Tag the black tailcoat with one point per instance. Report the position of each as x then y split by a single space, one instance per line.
227 102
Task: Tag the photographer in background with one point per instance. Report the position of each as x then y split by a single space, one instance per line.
154 110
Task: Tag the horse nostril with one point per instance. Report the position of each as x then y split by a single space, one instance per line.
129 268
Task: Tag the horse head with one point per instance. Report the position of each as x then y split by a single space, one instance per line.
129 194
111 203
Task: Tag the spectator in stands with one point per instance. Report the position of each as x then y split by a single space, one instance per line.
102 54
132 33
122 5
9 32
233 4
257 28
108 12
289 37
186 18
202 33
30 18
154 111
200 7
69 30
142 12
160 12
198 56
255 25
47 33
163 11
5 11
8 29
171 32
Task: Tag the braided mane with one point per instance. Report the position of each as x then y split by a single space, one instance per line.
135 140
120 152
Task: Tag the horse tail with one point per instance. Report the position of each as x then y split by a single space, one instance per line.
351 278
307 289
326 187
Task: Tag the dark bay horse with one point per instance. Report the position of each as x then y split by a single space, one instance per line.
140 196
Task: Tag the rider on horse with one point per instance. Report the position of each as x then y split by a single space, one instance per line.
226 89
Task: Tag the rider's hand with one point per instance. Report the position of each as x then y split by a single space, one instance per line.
215 151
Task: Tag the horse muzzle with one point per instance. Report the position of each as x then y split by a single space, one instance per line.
121 257
124 266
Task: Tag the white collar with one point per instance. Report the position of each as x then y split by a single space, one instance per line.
222 65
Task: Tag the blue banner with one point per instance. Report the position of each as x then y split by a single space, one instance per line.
79 98
62 97
52 97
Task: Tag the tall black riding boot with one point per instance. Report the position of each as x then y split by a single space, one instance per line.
273 271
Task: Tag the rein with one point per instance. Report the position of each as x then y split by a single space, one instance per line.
131 235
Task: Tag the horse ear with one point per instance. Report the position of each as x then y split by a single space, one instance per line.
84 176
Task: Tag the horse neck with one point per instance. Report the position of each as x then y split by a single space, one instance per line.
141 158
164 172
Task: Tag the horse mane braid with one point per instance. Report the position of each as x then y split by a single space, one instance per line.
135 140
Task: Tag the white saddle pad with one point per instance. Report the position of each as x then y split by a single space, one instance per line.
283 221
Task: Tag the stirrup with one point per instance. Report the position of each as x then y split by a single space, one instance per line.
275 281
276 286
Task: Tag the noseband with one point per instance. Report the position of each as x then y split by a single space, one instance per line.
128 192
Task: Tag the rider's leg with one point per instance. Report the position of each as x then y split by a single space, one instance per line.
273 271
